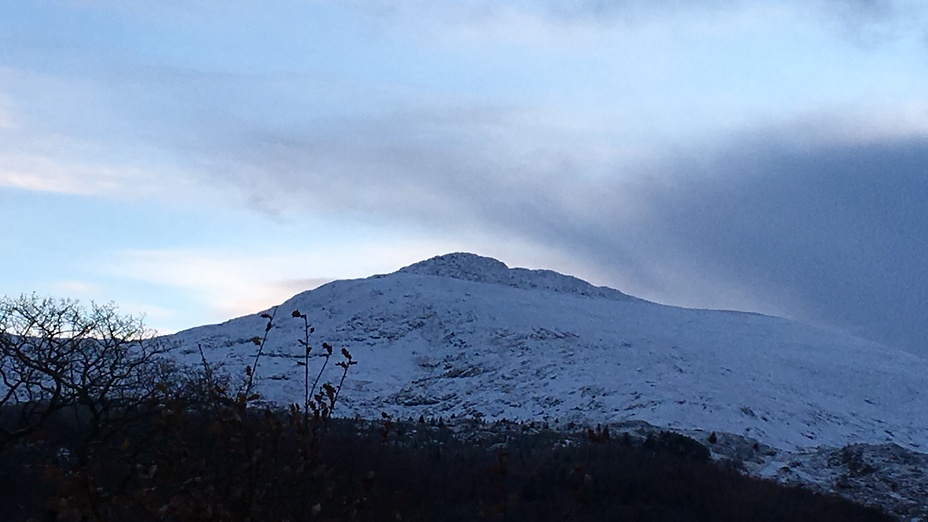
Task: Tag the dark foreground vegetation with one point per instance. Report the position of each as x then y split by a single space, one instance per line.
92 429
199 466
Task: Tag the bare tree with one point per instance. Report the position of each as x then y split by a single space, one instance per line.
56 355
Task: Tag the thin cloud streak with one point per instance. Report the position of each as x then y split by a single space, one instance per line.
42 174
863 22
235 283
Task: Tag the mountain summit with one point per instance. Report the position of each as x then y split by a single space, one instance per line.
461 265
466 335
479 269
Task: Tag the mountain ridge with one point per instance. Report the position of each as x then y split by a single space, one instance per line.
479 269
466 335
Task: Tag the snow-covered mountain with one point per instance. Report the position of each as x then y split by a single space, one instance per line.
466 335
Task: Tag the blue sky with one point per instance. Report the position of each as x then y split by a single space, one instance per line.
198 160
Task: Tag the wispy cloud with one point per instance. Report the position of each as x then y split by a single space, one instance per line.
870 23
44 174
55 137
233 283
862 22
229 283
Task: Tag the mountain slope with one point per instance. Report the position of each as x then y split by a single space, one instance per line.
465 335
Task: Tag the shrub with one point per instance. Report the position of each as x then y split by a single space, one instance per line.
99 428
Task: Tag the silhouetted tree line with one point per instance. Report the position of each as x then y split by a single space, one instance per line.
97 425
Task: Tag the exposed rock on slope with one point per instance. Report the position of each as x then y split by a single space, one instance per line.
478 269
465 335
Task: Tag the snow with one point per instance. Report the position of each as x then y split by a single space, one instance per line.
466 335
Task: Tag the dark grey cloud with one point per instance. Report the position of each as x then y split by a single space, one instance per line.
831 232
842 228
835 234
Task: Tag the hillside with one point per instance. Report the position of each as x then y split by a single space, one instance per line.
466 335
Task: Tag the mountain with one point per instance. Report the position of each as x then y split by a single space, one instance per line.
466 335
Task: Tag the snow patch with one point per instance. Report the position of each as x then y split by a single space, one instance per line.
466 335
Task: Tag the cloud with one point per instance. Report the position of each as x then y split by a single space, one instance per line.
828 233
870 23
824 219
56 136
430 164
230 284
44 174
665 178
42 161
865 24
841 228
234 283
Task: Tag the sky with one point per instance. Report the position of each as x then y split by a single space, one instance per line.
197 160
